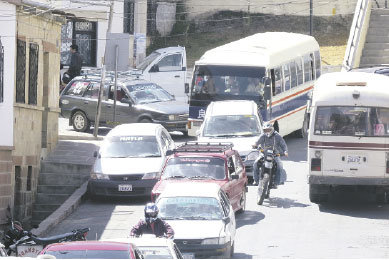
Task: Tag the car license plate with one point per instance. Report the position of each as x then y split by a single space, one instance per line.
125 187
353 159
188 255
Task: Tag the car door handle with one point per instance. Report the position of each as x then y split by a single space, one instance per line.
86 102
109 106
177 76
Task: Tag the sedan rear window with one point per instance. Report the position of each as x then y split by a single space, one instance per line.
155 252
130 146
77 88
195 168
90 254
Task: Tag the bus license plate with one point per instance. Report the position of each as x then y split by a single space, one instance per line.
353 159
125 187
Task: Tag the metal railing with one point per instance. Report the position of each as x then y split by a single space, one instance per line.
355 34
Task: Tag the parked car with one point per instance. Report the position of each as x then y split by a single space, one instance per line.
130 160
92 250
152 247
378 69
137 101
206 162
202 218
235 121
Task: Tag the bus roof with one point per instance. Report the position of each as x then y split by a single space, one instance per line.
351 89
268 49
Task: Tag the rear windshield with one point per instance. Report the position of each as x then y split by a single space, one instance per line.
155 252
90 254
195 168
352 121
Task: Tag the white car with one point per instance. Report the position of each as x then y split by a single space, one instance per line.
233 121
202 219
130 160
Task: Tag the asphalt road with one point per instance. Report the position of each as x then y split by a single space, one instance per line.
350 225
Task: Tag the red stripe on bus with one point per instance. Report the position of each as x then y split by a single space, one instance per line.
302 108
293 95
348 145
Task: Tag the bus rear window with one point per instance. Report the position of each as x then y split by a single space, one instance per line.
352 121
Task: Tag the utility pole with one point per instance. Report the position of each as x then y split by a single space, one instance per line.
102 82
310 17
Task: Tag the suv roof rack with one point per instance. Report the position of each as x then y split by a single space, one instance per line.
204 147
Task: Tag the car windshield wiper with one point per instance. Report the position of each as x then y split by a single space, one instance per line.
176 176
202 177
151 155
197 217
172 218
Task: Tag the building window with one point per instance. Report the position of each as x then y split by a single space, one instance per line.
151 17
1 73
128 19
33 73
21 71
29 178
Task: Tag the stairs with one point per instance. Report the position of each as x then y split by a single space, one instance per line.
62 172
376 49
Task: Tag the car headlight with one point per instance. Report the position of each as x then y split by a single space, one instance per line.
252 156
150 175
210 241
172 117
99 176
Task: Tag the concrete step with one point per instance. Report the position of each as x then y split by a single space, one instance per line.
379 19
71 159
380 11
374 60
62 189
50 199
376 46
375 53
46 207
65 167
62 179
377 39
378 32
39 216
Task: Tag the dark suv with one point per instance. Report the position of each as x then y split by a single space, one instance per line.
137 101
206 162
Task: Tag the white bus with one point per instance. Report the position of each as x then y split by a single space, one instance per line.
349 134
290 62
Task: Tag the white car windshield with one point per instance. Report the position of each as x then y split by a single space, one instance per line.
155 252
130 146
195 168
231 126
148 93
190 208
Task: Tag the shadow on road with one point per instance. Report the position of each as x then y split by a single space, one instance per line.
283 203
297 148
248 218
355 204
242 256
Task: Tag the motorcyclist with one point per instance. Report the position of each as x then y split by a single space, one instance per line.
152 224
270 138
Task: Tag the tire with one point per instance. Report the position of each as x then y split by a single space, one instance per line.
263 186
380 197
243 202
145 120
303 132
80 122
317 194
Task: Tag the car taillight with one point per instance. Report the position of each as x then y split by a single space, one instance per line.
189 125
316 164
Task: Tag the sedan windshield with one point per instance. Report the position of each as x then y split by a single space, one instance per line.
90 254
130 146
195 168
231 126
148 60
155 252
148 93
190 208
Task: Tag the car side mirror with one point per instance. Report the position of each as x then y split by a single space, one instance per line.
234 176
169 152
226 220
154 68
96 154
267 88
186 88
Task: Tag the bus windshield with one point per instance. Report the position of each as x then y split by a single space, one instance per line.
352 121
228 80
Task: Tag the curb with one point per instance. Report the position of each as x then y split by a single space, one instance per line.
67 208
76 137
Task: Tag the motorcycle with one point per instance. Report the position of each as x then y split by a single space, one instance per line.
20 242
267 174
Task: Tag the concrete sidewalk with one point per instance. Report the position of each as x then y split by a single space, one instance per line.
66 132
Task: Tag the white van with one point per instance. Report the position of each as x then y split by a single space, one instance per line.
233 121
349 134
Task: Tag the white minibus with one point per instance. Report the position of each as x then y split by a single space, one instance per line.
288 64
348 140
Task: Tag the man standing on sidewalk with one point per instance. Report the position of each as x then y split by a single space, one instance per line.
75 62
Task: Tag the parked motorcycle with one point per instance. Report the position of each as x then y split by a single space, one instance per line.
267 173
20 242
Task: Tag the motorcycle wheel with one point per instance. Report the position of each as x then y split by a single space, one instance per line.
263 187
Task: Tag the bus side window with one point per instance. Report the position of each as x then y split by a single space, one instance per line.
285 69
317 64
293 74
312 66
300 72
307 68
278 80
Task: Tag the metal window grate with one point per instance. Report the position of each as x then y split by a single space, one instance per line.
1 73
33 73
128 19
21 72
204 147
152 17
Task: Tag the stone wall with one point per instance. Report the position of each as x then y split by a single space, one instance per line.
6 184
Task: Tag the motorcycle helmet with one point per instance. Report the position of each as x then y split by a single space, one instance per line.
151 212
66 78
268 129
